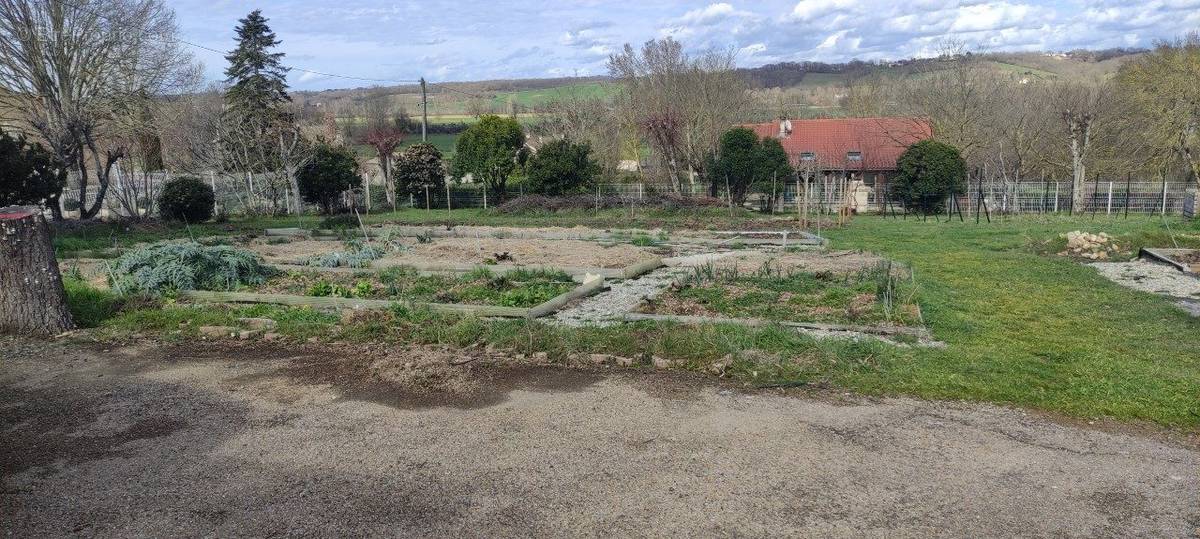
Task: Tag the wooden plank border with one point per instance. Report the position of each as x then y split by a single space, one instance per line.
759 322
590 286
351 303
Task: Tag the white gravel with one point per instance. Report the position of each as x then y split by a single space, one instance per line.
606 308
1157 279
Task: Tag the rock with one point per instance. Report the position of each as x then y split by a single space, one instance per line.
216 331
599 359
261 324
271 336
540 357
314 340
718 368
247 334
661 363
623 361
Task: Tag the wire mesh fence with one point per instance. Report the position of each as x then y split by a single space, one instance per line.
241 194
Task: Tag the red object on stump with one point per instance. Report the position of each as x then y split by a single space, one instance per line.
32 300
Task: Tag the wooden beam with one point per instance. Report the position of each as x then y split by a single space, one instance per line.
351 303
589 287
759 322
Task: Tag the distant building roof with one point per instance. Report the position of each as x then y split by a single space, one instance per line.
847 143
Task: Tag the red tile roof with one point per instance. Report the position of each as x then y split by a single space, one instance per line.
880 140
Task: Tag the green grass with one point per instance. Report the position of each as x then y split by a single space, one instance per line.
1035 330
875 296
519 288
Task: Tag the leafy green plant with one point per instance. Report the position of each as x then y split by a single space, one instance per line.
165 267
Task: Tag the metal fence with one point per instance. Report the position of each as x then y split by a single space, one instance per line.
237 195
1104 197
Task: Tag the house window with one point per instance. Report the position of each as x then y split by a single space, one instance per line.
854 156
807 156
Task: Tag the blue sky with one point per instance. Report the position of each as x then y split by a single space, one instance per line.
481 39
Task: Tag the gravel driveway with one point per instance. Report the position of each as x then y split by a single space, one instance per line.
254 440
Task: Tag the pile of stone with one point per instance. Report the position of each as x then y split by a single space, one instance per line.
1090 246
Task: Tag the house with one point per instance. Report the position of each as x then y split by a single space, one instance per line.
862 149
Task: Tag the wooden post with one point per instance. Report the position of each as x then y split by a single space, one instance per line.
427 207
1128 181
1108 209
32 300
485 196
1163 211
447 199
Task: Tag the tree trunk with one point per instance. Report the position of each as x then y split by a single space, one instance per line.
31 290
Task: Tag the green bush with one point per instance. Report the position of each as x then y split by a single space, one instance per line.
29 174
928 173
168 267
562 167
331 171
187 199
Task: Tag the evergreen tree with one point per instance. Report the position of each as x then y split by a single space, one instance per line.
259 80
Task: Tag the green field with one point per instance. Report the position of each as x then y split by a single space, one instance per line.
536 98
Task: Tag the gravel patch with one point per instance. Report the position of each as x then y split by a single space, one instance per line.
624 296
1151 277
181 441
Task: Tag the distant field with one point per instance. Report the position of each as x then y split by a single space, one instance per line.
534 98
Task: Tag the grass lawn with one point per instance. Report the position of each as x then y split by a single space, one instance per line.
1036 330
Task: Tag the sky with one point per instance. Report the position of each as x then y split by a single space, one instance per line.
463 40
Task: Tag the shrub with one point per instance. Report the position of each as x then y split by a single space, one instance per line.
28 173
186 198
562 167
419 167
928 172
168 267
331 172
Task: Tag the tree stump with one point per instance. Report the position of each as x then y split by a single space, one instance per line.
32 299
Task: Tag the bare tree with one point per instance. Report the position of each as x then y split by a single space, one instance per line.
1084 109
385 132
681 104
1161 87
65 67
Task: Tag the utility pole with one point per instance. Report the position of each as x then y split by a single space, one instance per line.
424 109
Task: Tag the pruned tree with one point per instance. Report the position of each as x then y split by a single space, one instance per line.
331 171
1084 108
65 67
32 300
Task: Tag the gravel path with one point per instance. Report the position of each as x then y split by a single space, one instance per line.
624 296
1157 279
229 441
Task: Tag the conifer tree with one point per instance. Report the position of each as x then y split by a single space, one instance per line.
259 80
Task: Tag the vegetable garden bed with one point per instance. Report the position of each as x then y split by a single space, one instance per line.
882 295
